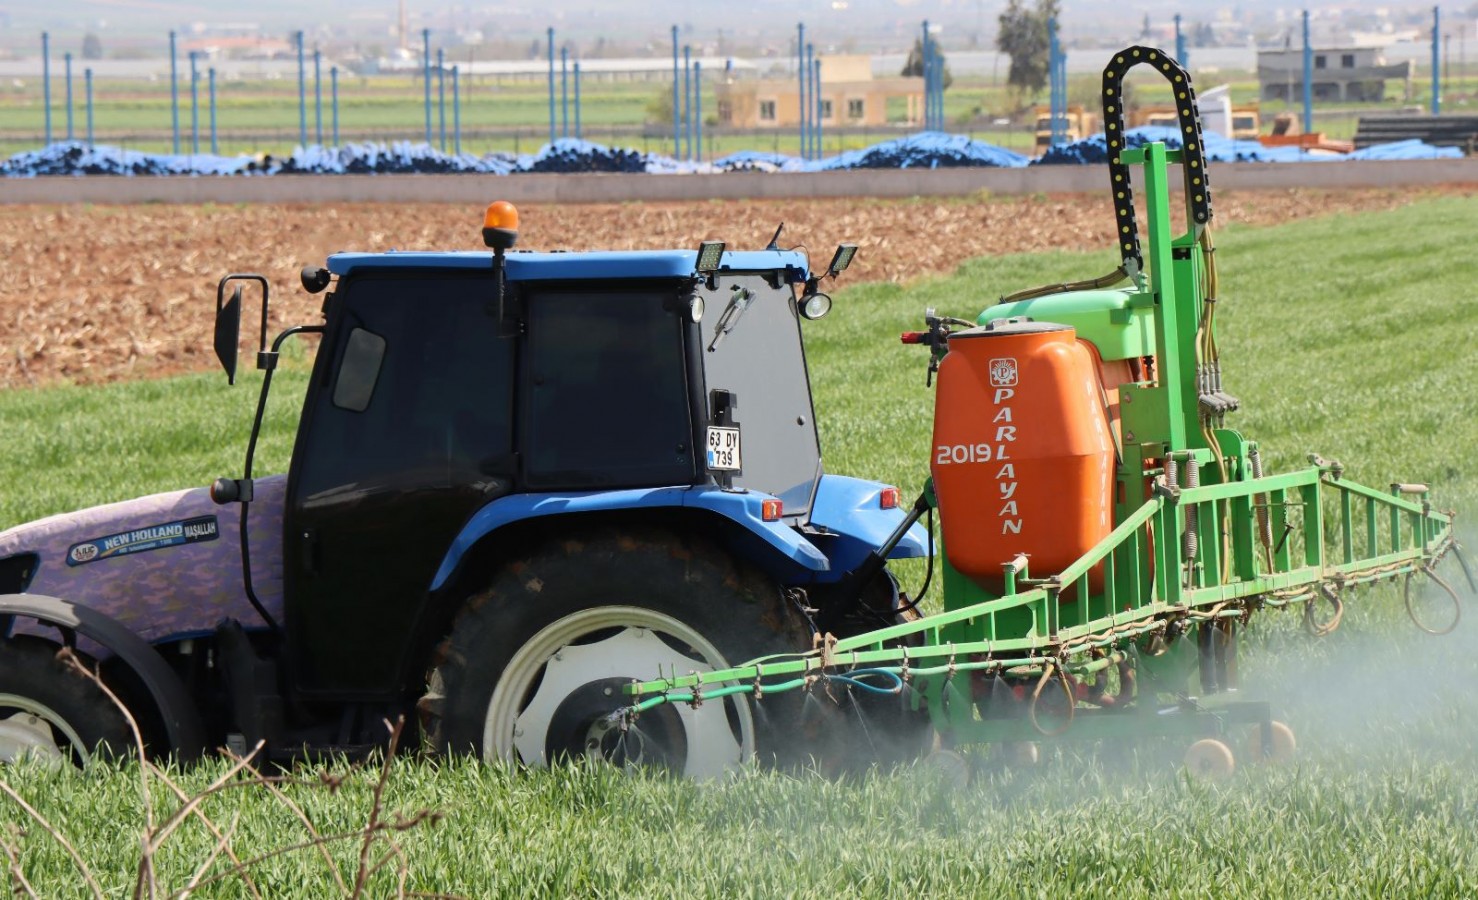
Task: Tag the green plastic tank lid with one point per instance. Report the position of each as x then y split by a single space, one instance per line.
1108 319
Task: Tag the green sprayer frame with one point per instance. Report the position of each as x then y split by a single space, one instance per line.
1159 599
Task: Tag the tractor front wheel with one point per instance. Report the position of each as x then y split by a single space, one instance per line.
51 713
535 665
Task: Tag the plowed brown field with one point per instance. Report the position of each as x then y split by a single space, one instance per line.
100 293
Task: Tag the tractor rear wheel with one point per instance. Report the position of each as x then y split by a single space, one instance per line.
51 713
535 664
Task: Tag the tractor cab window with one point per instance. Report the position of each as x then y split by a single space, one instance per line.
606 391
422 388
761 362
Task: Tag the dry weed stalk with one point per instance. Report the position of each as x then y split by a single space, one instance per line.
13 863
241 774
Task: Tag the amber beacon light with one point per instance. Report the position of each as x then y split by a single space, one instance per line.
500 225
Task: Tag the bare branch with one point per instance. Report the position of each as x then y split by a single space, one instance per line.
297 810
17 876
401 825
221 844
69 658
158 836
215 831
57 836
363 873
402 871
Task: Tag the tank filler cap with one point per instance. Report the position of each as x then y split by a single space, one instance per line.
1012 326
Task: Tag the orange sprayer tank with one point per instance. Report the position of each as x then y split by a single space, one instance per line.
1023 458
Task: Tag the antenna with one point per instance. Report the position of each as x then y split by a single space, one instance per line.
775 239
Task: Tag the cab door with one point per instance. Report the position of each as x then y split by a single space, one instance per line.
406 431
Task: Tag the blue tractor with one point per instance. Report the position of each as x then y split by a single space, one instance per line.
521 480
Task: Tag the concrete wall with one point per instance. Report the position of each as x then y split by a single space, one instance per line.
617 188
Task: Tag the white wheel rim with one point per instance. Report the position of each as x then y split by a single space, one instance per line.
31 731
517 725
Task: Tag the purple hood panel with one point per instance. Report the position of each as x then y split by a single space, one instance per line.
166 566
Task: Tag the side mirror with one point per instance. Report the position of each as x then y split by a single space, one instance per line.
228 322
228 333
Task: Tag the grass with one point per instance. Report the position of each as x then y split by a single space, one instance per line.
1351 337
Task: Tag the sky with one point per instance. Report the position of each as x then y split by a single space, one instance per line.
866 25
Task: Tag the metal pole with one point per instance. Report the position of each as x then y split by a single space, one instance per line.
676 148
318 96
214 147
1436 60
698 108
46 82
936 69
564 91
441 95
87 88
820 106
1180 55
577 100
174 92
1308 78
812 101
456 110
194 103
551 83
926 59
426 77
931 67
67 67
800 71
302 95
1055 112
333 86
687 99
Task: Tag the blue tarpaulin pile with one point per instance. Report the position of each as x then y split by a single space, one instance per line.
930 150
758 161
76 158
399 158
1093 150
568 155
1412 149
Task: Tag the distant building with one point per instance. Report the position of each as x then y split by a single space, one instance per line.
850 96
1356 74
502 71
219 46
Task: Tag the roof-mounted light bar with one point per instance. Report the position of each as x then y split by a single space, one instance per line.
710 253
841 259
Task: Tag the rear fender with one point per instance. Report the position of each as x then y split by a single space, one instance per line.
742 508
177 711
849 511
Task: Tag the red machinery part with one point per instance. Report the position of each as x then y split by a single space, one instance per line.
1023 454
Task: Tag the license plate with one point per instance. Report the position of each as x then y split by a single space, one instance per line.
723 449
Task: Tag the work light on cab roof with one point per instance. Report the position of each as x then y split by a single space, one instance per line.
500 225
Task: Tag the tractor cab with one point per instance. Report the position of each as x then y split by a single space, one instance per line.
458 397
